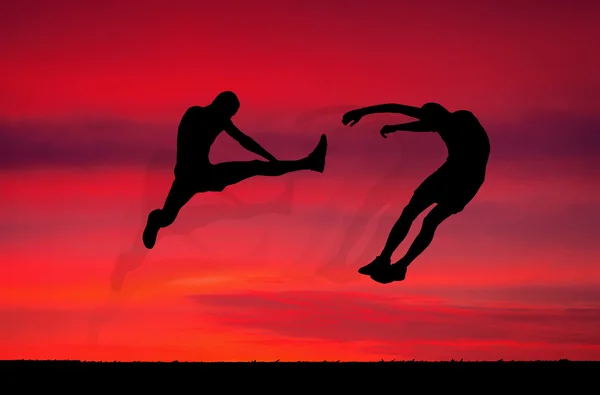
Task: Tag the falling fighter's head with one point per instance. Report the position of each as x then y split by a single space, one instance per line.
435 114
226 103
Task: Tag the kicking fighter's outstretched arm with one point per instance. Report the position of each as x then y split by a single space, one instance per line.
417 126
355 115
247 142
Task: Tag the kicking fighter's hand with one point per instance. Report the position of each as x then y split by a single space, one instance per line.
352 116
387 129
271 158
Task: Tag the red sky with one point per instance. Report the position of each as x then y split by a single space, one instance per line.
92 93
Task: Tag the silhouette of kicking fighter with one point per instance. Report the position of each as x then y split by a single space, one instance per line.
452 186
197 217
194 173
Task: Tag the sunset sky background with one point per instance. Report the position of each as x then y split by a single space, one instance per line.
91 96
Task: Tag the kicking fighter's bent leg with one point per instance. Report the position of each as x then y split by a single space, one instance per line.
180 193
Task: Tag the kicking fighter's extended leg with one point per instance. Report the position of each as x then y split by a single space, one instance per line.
181 192
229 173
417 204
397 271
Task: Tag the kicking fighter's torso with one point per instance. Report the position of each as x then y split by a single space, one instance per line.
198 130
467 142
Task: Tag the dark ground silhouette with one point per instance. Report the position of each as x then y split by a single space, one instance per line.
194 173
331 377
450 188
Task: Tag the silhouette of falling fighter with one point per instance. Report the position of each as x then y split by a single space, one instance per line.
194 173
451 187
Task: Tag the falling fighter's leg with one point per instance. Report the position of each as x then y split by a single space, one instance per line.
397 271
418 203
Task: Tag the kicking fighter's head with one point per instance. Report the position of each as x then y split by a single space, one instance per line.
227 103
435 114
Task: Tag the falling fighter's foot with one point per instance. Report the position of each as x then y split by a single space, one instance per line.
378 264
395 272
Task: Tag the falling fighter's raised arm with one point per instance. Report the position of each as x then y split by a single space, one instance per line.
416 126
247 142
355 115
411 111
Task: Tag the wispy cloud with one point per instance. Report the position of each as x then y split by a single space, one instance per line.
117 142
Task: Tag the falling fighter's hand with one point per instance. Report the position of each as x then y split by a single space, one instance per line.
352 116
387 129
